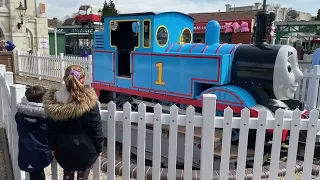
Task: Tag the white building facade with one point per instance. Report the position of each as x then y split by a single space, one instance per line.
33 33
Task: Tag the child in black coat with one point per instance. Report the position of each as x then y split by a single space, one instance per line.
34 153
74 126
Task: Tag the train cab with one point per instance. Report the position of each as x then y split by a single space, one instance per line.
128 34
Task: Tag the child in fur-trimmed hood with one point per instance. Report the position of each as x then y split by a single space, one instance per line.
34 153
75 126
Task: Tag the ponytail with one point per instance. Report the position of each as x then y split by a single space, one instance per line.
72 77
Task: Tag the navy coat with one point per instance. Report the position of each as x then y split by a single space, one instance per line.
34 152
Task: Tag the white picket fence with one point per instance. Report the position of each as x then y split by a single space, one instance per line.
50 67
11 94
308 91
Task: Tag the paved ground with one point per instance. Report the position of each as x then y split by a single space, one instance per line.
5 163
30 81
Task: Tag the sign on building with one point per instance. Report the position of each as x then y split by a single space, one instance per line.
43 43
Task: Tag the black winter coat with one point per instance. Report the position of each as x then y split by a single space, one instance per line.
75 132
34 153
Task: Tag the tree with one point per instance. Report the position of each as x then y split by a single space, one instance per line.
109 9
273 7
73 15
66 17
318 15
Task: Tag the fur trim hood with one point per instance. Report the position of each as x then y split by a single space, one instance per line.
31 108
59 106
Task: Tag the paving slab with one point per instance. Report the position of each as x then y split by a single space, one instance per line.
6 172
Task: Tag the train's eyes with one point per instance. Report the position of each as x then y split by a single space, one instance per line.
289 68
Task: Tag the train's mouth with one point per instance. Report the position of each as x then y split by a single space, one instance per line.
295 86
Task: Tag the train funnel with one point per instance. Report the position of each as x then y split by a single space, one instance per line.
212 32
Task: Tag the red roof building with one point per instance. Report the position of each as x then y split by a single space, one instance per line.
236 27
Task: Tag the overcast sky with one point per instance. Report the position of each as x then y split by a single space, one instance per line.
62 8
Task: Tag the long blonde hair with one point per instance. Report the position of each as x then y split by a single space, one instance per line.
73 75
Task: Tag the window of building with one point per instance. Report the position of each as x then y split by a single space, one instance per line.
1 34
162 36
24 3
146 33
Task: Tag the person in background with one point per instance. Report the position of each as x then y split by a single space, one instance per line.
7 45
74 126
84 52
34 153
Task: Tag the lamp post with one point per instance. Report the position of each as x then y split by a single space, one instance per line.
55 42
21 12
99 13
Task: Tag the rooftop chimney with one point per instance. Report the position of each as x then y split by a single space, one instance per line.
228 6
257 5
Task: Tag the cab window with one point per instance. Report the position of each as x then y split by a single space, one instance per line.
146 33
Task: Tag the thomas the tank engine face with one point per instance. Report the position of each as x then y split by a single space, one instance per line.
286 75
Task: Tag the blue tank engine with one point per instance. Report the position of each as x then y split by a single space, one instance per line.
149 57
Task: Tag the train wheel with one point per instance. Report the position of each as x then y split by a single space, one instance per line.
120 99
165 103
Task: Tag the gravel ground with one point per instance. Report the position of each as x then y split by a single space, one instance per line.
103 175
3 174
5 168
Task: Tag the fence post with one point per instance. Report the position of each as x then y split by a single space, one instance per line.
38 65
208 131
313 88
2 109
2 68
18 52
17 92
90 79
62 66
8 76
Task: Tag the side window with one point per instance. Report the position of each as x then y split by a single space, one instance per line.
162 36
146 33
187 36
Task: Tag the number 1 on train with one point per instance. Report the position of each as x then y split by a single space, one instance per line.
159 81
